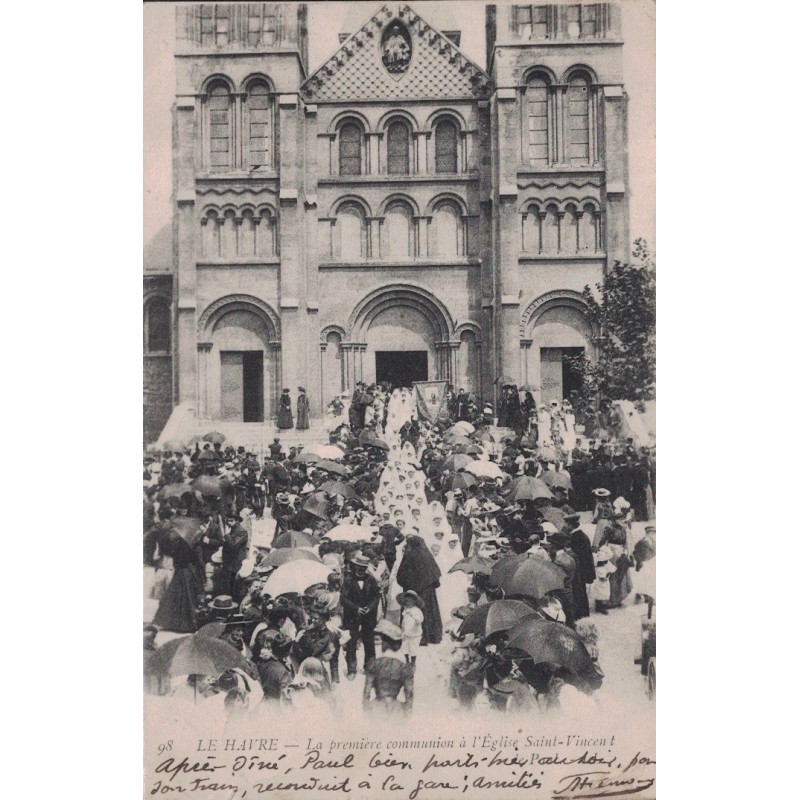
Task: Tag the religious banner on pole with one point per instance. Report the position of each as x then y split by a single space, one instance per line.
431 399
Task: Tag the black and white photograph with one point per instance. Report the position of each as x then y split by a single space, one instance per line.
399 401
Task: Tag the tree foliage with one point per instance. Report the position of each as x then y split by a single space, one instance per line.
623 314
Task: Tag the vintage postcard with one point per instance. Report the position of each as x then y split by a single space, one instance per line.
399 475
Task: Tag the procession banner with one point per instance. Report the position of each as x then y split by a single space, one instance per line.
431 399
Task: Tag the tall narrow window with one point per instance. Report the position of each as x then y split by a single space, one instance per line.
259 115
589 20
446 147
219 107
537 121
352 233
398 232
157 324
446 230
578 93
573 21
222 24
523 21
540 22
397 149
349 149
206 24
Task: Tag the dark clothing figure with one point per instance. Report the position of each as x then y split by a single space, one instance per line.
359 592
567 561
177 610
234 552
285 411
581 546
387 676
275 677
640 483
420 573
302 411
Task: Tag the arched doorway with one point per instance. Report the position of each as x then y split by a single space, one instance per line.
239 369
400 334
554 329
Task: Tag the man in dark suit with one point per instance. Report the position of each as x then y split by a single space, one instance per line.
360 599
582 548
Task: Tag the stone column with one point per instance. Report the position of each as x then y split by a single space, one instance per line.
271 405
524 349
203 350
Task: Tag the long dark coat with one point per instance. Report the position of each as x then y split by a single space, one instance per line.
582 547
353 597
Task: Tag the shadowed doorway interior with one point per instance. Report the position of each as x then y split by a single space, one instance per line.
401 368
243 385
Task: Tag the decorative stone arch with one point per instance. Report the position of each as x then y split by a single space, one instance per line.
327 330
349 115
446 113
351 199
538 71
469 325
408 294
579 70
399 197
442 349
447 197
397 114
254 77
558 297
212 80
239 302
210 388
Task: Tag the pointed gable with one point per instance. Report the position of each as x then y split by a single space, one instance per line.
436 69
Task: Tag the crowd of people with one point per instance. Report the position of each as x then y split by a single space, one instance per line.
403 532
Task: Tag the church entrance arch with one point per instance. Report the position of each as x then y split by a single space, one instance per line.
555 329
400 334
239 369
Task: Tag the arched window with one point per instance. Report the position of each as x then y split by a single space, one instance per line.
578 95
259 124
569 230
398 231
351 232
210 237
538 136
397 149
219 110
349 149
446 230
550 230
157 326
446 147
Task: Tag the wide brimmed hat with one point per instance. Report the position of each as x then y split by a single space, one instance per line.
605 553
223 602
559 539
601 492
389 630
549 527
360 560
410 594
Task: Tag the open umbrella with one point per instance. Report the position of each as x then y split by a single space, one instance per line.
479 564
294 539
529 488
296 576
457 438
553 643
328 451
284 555
307 458
349 533
318 505
206 455
331 466
554 515
483 435
527 575
173 445
504 380
474 450
379 444
177 490
215 437
211 486
557 479
199 654
484 469
462 480
462 426
337 487
366 436
457 462
499 615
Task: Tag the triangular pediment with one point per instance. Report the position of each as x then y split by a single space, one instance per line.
373 64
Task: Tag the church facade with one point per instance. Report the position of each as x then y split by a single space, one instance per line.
399 214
